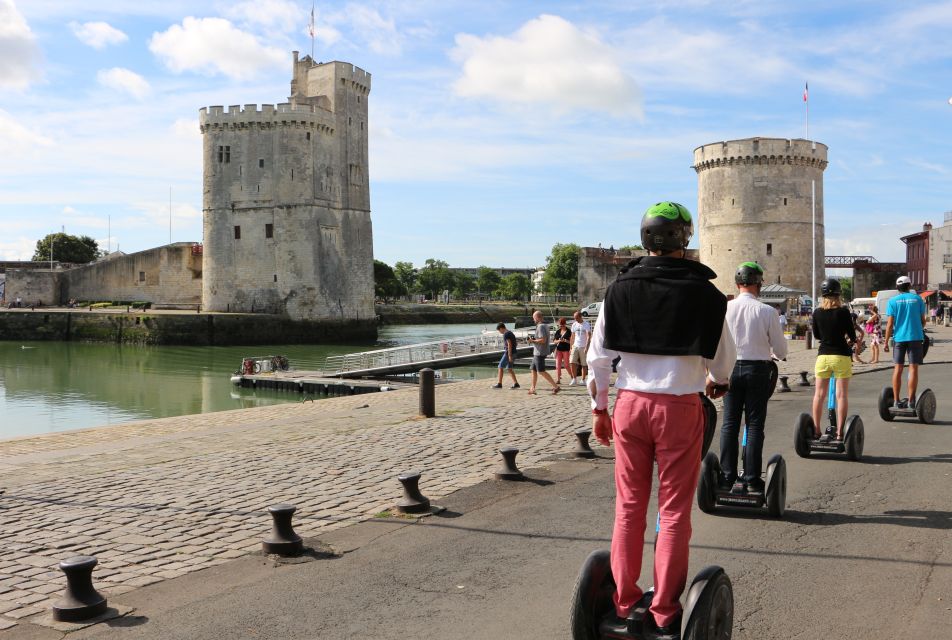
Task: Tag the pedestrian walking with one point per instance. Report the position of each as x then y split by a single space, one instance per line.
563 342
758 337
508 356
874 333
664 318
540 351
581 338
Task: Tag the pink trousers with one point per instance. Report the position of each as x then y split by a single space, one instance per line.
669 429
561 362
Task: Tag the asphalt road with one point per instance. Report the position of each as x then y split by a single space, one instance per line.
864 551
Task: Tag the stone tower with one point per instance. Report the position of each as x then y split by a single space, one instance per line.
754 203
286 200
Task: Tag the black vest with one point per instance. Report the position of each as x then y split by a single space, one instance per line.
666 306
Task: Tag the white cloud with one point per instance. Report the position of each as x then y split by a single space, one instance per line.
547 61
20 248
214 45
124 80
186 128
98 35
281 14
380 33
14 135
18 49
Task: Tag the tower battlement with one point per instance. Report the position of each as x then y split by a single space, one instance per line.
762 151
218 118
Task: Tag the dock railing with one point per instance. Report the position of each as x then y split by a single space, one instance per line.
425 353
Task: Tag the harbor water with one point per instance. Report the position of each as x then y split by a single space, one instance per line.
47 387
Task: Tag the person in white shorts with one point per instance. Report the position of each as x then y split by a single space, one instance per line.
581 336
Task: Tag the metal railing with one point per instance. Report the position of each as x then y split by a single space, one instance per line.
424 353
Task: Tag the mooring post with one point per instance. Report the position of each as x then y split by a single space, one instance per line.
809 338
427 393
283 540
80 601
509 470
413 501
583 449
804 382
784 387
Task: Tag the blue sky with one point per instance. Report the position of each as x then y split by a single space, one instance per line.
496 128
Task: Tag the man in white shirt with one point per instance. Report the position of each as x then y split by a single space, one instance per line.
581 332
665 319
756 330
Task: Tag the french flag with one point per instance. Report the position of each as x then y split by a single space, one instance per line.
806 91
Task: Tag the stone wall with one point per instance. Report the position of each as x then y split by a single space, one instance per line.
875 276
754 203
39 287
598 268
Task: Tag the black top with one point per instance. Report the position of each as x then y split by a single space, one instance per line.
509 337
664 306
831 327
562 337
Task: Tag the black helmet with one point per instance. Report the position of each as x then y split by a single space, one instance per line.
830 287
666 226
749 273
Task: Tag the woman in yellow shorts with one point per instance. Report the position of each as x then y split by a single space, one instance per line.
834 329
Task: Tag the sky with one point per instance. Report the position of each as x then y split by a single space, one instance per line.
497 129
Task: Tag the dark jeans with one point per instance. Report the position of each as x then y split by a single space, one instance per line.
749 392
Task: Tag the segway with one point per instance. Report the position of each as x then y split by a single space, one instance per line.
708 610
922 408
805 442
774 497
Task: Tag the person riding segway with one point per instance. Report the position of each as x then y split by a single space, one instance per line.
665 319
906 322
759 340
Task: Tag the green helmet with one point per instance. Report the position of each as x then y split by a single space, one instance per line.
666 226
749 273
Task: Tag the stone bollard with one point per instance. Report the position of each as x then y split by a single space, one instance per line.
803 379
508 470
80 601
283 540
784 387
809 337
427 393
413 501
583 449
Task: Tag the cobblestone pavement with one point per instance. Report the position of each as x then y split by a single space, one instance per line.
160 498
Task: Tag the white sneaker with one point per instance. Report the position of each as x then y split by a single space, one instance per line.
572 383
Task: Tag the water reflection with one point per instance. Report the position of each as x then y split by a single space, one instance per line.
57 386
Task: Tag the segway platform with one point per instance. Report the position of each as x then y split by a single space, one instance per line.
854 437
774 498
923 409
708 610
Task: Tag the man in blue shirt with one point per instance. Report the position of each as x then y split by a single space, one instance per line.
906 315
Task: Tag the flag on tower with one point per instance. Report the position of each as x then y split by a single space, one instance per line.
310 27
806 91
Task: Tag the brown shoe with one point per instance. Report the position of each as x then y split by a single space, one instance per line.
556 390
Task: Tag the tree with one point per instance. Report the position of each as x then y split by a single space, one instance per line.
561 270
487 280
434 277
515 286
67 248
463 284
406 274
386 284
846 284
628 248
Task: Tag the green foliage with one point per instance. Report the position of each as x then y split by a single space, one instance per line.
386 284
67 248
561 270
434 278
487 280
463 284
406 274
515 286
846 283
628 248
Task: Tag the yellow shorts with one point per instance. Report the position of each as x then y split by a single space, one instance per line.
838 366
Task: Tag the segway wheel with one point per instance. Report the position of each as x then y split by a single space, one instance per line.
925 407
855 437
707 483
886 400
774 375
709 609
710 424
776 486
803 433
592 598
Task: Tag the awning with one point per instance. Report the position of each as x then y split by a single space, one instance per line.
947 293
926 294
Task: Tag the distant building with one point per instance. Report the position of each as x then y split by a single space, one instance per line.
598 268
917 257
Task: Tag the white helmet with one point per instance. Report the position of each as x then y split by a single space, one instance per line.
901 280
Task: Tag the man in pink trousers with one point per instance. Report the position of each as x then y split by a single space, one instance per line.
665 319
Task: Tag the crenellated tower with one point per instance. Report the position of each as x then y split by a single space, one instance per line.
286 200
755 203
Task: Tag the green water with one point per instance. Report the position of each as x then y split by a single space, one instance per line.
58 386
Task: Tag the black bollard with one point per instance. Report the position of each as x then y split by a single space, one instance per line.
413 501
784 387
427 393
508 470
80 601
583 449
283 540
809 337
803 380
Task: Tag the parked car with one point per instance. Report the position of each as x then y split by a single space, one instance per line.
591 310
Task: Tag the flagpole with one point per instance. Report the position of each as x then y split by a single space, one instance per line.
311 31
